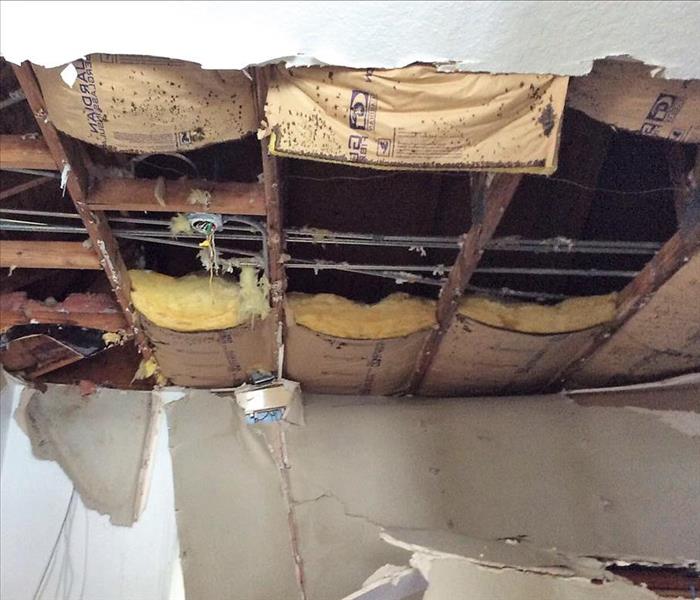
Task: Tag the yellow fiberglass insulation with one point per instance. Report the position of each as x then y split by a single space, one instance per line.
573 314
197 303
396 315
400 314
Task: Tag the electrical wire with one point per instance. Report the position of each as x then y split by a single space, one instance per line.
462 175
39 590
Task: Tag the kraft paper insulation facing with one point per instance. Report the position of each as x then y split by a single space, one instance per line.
417 118
197 302
627 95
544 480
662 339
147 104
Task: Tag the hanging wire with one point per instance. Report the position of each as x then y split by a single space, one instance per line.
42 582
463 175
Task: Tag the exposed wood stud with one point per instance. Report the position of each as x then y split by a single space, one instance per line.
228 198
66 153
23 187
25 152
492 202
97 311
669 259
683 181
273 182
31 254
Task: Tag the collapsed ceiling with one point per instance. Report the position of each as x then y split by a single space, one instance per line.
548 238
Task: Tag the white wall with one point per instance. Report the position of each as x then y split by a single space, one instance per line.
538 36
94 560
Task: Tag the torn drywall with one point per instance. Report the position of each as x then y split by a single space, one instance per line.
231 518
500 37
534 472
454 567
103 441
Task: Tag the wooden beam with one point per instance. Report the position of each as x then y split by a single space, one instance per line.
97 311
30 254
489 202
669 259
273 182
228 198
67 153
23 187
24 152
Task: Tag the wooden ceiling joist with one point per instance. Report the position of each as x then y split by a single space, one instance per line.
273 182
32 254
229 198
97 311
67 154
684 244
25 152
489 202
24 187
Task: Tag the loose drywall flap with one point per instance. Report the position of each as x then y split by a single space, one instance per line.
147 104
625 94
232 521
457 567
103 442
474 358
324 363
662 339
417 118
213 358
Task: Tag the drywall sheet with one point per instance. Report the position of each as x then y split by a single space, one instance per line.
417 118
662 339
538 469
625 94
232 521
324 363
212 358
474 358
145 104
100 440
501 37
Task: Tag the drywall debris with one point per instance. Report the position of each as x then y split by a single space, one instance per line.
391 582
99 440
64 177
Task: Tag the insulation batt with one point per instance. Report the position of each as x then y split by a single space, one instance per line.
399 315
196 303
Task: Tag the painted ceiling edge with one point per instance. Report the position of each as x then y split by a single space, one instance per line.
453 35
